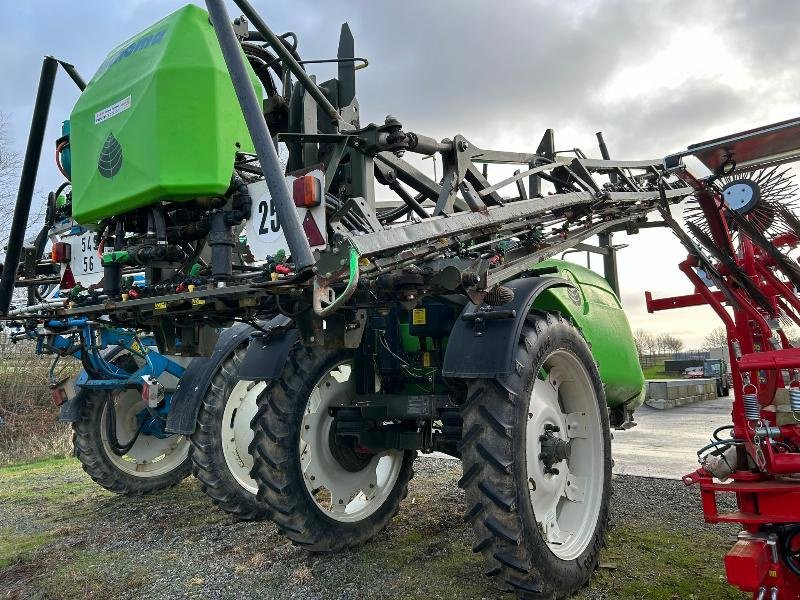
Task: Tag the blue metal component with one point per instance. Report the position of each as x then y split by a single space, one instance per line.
95 344
151 425
66 153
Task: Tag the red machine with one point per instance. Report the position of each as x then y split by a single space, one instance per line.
741 236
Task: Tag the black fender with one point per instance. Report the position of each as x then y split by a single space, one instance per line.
483 339
267 354
188 396
70 411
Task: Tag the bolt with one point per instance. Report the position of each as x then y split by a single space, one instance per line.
312 478
532 483
530 415
328 275
308 426
341 501
335 250
462 145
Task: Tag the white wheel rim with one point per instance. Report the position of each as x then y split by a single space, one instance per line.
236 433
566 505
340 494
149 456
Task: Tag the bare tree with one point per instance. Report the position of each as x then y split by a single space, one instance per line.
640 338
672 343
9 179
9 182
717 338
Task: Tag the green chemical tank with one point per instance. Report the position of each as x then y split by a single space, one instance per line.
597 312
158 121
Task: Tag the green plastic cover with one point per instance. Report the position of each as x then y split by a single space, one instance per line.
158 121
597 312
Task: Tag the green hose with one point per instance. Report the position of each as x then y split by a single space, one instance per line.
352 282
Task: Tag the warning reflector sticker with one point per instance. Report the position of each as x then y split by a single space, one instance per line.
112 111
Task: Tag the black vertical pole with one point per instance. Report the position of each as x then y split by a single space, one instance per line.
27 181
605 239
259 133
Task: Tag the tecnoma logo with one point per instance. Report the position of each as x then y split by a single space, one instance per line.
110 161
132 48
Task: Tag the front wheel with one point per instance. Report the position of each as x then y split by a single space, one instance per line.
138 461
324 496
537 464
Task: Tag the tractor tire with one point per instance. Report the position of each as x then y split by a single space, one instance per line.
220 457
323 497
537 464
152 464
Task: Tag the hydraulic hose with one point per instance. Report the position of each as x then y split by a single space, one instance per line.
352 283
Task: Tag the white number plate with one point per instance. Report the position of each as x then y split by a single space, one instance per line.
263 229
84 261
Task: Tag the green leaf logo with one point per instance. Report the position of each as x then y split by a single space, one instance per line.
110 161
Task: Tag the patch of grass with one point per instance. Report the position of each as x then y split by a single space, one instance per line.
655 371
85 574
650 561
28 468
17 546
427 565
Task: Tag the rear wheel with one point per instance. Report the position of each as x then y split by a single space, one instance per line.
537 464
323 496
220 456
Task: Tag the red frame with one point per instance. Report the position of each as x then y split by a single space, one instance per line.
764 497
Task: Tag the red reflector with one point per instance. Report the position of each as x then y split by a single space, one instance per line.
313 233
307 191
59 396
67 279
746 564
61 252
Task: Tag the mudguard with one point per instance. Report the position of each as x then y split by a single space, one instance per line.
267 353
484 347
188 396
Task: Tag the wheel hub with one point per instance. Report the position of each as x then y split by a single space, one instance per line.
554 449
345 484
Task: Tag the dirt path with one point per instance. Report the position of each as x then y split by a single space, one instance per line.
61 536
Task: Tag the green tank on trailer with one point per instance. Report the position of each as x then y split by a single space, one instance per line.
158 121
597 312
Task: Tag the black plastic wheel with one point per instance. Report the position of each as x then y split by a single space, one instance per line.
220 459
322 497
547 446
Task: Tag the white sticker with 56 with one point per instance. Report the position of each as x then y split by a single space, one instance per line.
84 261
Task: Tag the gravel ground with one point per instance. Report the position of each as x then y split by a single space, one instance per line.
63 537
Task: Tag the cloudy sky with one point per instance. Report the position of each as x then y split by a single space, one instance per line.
653 76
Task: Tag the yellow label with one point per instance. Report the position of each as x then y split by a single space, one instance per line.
136 347
418 316
426 359
773 573
198 301
160 306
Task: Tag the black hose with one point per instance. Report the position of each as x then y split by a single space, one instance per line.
261 69
268 61
111 430
718 430
789 554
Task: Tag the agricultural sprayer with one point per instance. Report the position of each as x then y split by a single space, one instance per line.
438 321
